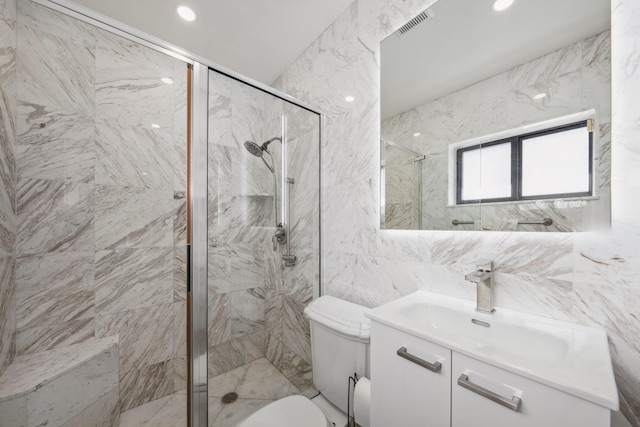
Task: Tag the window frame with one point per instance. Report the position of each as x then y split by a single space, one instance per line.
516 162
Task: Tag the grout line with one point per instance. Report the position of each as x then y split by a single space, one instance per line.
146 419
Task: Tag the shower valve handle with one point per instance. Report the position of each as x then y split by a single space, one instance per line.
280 236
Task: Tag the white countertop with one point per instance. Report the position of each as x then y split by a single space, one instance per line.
569 357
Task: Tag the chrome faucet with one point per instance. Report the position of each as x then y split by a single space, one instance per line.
483 278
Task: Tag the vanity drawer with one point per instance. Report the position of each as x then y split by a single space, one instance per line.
473 404
411 380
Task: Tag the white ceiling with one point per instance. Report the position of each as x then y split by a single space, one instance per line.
257 38
466 42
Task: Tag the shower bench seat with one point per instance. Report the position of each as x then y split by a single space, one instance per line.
75 385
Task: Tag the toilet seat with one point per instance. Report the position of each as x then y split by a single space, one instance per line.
292 411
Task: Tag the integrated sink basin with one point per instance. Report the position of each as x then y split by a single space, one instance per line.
490 334
567 356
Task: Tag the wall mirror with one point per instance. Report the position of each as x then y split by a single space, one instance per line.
498 119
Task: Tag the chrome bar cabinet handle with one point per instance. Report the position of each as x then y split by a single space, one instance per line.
513 403
434 367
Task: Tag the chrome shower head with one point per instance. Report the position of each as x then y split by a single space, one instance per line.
254 148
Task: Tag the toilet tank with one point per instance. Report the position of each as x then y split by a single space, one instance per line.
339 346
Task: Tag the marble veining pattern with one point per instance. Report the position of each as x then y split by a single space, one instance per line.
146 351
599 268
29 373
127 71
48 337
578 80
55 216
129 156
7 312
55 68
8 178
247 311
133 278
245 277
88 374
55 290
104 411
257 384
100 377
139 385
129 217
180 345
236 352
146 334
98 216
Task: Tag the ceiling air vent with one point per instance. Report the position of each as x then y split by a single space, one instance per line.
423 16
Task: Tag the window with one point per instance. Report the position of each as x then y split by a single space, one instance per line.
549 163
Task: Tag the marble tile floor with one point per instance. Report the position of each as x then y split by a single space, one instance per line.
257 384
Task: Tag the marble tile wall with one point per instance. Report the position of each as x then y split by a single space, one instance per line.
576 78
240 217
101 198
289 348
589 277
8 107
255 308
30 393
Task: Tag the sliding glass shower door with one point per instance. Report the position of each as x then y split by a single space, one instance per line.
262 247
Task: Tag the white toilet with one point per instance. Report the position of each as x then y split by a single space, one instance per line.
339 348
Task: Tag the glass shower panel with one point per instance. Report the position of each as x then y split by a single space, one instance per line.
258 145
403 187
100 198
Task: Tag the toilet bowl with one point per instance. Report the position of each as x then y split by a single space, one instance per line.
339 349
292 411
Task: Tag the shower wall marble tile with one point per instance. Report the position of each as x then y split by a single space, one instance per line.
8 112
146 351
576 78
101 198
7 312
589 277
240 216
55 290
180 345
247 285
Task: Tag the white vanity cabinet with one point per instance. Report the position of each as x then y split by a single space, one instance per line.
410 380
464 392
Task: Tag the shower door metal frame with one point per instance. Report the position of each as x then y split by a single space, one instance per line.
198 265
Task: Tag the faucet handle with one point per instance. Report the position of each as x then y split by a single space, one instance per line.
485 265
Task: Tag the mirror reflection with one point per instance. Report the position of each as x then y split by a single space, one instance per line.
498 119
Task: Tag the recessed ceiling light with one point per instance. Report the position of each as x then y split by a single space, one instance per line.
167 80
417 134
186 13
500 5
155 126
349 98
540 95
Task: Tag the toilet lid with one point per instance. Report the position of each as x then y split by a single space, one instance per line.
292 411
